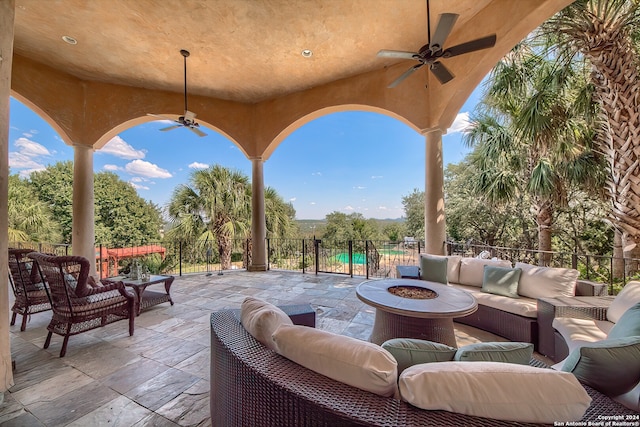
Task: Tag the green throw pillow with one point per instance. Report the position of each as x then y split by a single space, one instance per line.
501 281
433 269
610 366
628 325
506 352
409 352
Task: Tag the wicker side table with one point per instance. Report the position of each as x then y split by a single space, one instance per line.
579 307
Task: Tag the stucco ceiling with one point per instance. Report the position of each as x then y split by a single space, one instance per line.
241 50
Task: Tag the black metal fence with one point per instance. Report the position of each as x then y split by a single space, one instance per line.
367 258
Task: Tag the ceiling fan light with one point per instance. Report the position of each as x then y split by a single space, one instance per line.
69 40
307 53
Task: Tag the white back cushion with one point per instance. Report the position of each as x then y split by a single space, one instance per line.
551 282
504 391
628 296
261 319
472 270
358 363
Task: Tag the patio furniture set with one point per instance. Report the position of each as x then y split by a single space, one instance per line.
78 303
293 377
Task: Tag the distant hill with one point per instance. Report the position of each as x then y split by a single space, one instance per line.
315 226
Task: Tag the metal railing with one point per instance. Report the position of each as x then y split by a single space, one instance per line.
367 258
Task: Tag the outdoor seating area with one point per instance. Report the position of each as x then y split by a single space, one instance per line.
161 375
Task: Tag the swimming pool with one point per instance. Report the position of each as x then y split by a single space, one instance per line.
359 258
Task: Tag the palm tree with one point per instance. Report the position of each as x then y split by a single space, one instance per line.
29 218
530 140
214 206
602 31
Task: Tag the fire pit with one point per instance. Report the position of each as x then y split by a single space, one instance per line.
413 292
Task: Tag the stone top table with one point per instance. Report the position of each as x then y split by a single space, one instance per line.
428 319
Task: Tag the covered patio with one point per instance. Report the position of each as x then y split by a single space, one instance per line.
160 376
257 72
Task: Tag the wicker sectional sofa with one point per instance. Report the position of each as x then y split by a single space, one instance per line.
514 319
252 385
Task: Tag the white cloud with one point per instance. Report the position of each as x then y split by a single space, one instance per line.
316 173
120 148
359 187
137 179
146 169
112 168
26 172
348 208
382 208
293 199
138 186
312 203
460 124
30 148
376 176
198 165
21 161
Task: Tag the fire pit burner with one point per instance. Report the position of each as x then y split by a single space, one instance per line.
413 292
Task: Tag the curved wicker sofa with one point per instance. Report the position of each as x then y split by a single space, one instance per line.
253 386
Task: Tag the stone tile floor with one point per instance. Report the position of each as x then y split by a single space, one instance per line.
160 375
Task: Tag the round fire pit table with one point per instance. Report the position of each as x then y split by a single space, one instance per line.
428 317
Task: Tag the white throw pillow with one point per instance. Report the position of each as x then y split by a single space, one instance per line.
351 361
628 296
261 319
472 270
546 282
503 391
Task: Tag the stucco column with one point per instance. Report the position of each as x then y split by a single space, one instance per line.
83 232
7 11
434 221
258 220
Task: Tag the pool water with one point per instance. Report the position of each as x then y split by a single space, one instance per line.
359 258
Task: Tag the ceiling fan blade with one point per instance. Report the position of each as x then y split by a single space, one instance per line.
189 116
396 54
170 128
406 74
196 131
441 72
472 46
445 25
160 117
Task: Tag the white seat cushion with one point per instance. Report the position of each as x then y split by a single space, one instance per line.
546 282
628 296
504 391
526 307
472 270
578 331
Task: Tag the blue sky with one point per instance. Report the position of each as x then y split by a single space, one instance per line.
347 162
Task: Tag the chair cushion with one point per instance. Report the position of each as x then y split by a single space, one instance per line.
506 352
577 331
628 325
501 281
410 351
351 361
472 270
628 296
433 269
503 391
610 366
527 307
541 282
261 319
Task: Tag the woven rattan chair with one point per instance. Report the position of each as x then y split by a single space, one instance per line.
79 304
28 288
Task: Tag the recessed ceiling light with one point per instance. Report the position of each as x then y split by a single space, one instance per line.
307 53
69 39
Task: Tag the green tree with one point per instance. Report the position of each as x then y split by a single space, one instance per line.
30 220
216 206
54 187
531 138
122 217
414 212
603 31
394 231
342 227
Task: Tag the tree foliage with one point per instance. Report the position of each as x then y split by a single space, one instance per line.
341 227
30 220
414 212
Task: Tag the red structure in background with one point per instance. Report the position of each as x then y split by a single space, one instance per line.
108 258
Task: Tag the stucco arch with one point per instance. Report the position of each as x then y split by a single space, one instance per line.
298 123
44 116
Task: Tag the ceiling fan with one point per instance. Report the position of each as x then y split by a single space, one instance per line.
188 120
431 53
